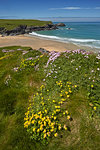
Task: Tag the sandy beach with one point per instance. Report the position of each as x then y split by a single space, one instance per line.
37 42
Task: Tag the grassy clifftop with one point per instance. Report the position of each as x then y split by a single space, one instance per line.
13 23
52 98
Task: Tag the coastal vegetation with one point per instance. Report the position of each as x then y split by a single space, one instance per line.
10 24
49 100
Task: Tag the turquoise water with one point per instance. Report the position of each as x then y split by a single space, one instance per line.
86 34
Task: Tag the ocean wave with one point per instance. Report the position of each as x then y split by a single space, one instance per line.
84 42
45 36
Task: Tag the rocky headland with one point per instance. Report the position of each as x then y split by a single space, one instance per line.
24 29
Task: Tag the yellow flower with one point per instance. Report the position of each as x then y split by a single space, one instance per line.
33 121
54 118
48 133
44 131
38 130
36 117
67 96
94 108
39 112
70 91
42 103
45 111
52 124
52 130
56 134
65 127
68 117
75 86
33 129
40 116
57 110
56 106
39 122
66 92
63 99
91 86
59 127
54 112
66 112
45 135
61 95
41 128
42 119
25 118
44 123
60 102
26 124
49 122
41 56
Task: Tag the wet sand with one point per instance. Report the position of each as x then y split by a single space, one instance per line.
37 42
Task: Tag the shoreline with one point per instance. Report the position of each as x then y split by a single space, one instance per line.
39 42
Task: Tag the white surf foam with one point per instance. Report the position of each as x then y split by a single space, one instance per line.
45 36
85 42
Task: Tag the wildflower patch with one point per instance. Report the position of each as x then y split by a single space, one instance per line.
46 108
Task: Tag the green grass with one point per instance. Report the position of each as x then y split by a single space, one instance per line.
83 129
11 24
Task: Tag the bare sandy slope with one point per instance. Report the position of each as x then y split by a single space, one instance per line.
36 43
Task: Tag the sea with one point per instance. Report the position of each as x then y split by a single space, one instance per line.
79 33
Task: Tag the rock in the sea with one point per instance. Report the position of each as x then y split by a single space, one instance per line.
60 25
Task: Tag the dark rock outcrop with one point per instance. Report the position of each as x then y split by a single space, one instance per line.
2 28
60 25
24 29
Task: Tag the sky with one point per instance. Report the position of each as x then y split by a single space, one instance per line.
50 9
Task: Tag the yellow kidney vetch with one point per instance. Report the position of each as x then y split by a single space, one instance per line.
45 122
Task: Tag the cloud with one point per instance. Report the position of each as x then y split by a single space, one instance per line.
97 7
68 8
73 8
